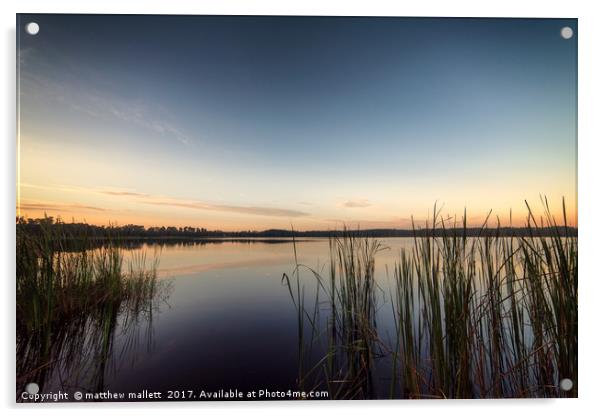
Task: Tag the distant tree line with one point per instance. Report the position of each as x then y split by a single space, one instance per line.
131 231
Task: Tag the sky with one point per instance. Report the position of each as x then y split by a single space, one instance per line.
251 123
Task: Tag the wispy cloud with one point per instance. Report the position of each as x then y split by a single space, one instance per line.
254 210
199 205
396 223
148 116
356 203
156 200
82 96
125 193
57 207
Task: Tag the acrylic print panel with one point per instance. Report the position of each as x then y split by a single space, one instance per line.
281 208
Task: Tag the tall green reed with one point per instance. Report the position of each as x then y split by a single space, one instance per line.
349 327
70 300
490 316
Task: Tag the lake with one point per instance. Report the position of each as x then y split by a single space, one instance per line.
227 321
237 316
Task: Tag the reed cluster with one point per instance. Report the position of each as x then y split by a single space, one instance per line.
474 317
71 298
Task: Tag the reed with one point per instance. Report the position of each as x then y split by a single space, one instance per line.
475 317
348 330
71 297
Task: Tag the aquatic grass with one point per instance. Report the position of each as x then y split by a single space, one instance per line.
54 283
71 297
349 327
499 313
475 317
354 339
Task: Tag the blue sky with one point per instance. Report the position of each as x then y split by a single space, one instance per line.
257 122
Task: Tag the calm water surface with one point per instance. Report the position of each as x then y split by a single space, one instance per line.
228 322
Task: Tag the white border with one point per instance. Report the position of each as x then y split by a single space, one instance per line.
590 202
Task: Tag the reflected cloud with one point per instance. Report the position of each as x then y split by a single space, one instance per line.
244 263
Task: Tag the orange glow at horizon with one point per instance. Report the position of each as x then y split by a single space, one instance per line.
125 189
181 217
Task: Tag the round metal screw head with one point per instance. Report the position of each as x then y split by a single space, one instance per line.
566 384
32 388
32 28
566 32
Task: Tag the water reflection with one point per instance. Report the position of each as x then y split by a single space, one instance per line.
79 353
229 323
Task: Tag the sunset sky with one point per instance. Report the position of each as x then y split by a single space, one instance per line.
239 123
